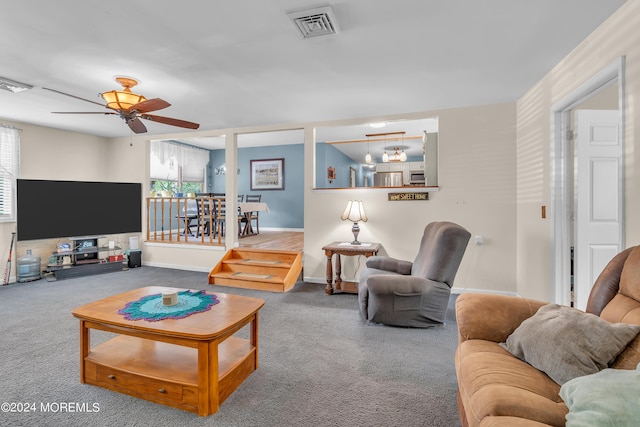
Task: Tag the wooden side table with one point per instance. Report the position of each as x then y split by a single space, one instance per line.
345 248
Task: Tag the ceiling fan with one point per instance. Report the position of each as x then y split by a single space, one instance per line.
130 106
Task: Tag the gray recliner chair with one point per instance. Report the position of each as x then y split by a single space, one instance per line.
416 294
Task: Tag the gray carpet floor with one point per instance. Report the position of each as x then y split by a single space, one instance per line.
319 363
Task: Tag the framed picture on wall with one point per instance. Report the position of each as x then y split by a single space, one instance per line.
267 174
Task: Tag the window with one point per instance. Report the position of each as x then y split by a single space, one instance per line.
177 168
9 168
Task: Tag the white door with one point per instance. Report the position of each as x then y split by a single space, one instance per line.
598 197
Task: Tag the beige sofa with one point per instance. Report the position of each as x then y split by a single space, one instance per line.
495 388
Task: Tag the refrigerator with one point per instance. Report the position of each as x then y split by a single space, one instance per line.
387 179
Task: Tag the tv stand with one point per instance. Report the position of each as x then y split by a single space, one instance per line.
83 259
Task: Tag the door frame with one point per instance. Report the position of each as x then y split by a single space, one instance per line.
562 192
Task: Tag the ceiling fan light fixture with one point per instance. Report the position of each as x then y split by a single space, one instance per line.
122 99
131 107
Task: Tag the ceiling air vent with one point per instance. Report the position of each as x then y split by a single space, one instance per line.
319 21
13 86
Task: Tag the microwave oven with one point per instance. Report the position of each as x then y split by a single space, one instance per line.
417 178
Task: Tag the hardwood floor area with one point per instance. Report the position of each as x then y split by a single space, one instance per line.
274 240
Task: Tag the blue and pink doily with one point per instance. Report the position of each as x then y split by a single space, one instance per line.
150 307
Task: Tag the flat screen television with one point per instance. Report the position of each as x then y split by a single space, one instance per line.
63 209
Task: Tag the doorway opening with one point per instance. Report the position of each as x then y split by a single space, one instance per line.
567 180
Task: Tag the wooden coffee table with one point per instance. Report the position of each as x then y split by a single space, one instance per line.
193 363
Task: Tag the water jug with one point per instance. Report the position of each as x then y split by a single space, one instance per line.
28 267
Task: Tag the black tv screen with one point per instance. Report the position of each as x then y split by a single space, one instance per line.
62 209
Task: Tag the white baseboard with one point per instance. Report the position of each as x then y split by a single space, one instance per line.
299 230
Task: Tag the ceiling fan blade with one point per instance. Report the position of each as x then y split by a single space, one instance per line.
82 112
137 126
154 104
170 121
73 96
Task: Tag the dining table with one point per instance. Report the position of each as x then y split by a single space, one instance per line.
247 209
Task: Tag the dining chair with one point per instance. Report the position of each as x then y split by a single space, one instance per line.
206 212
221 218
253 216
188 215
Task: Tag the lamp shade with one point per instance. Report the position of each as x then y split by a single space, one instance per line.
122 99
354 211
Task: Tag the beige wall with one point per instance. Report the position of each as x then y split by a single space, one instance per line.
616 37
477 190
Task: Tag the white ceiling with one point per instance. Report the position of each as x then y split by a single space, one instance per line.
242 63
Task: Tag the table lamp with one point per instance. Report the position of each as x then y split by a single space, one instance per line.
354 212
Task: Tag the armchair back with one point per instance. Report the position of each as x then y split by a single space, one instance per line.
441 249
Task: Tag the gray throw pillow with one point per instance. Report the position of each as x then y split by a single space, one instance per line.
566 343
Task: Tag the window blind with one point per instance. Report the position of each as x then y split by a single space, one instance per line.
9 170
167 156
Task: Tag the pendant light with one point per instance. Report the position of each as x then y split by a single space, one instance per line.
403 155
367 158
385 156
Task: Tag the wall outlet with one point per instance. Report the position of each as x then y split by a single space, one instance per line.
479 240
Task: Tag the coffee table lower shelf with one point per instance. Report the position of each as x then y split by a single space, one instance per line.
168 373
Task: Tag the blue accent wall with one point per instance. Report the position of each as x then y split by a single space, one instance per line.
286 207
327 155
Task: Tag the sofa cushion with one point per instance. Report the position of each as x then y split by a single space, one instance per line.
609 397
626 310
493 383
510 422
631 275
566 343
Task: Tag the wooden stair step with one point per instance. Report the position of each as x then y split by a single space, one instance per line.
258 262
256 269
248 276
259 269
